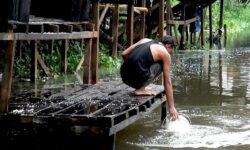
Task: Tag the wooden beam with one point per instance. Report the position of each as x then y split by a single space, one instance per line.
110 39
103 14
125 8
182 22
42 65
48 36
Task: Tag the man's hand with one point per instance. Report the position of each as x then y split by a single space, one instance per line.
173 113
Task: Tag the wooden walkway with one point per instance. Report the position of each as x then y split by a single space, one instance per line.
99 110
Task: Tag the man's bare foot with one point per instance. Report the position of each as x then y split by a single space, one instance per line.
143 92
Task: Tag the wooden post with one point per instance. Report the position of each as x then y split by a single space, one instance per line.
33 49
168 18
51 46
183 28
209 70
161 31
210 27
172 18
19 49
220 78
111 142
87 61
142 21
221 21
225 35
202 27
130 24
95 48
221 13
163 110
115 24
161 18
64 63
5 89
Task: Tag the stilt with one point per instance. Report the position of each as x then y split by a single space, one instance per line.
33 56
115 24
210 27
221 21
5 88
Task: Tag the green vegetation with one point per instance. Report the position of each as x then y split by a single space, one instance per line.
53 60
236 15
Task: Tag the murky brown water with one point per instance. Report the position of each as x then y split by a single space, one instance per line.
213 89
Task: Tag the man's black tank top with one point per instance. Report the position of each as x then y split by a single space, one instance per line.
136 68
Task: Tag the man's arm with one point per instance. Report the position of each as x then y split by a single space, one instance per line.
168 85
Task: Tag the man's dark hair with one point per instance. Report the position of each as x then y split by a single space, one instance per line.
169 40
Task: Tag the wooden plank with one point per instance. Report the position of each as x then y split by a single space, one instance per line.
48 36
64 113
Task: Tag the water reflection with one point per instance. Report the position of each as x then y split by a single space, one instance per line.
212 127
213 89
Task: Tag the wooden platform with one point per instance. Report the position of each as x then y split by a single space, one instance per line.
101 110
